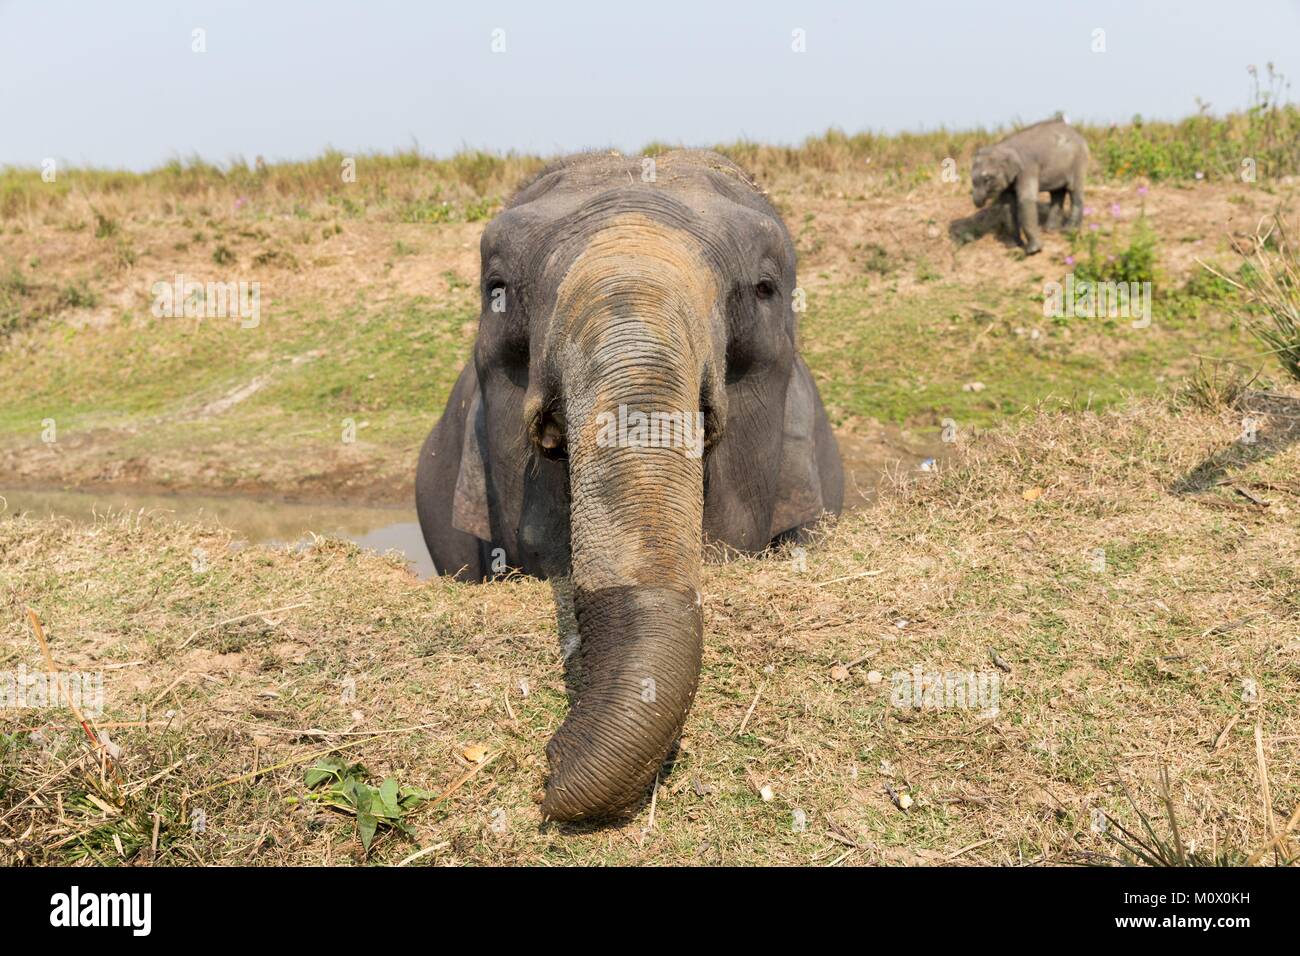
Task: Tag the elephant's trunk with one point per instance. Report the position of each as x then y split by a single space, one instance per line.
641 660
640 349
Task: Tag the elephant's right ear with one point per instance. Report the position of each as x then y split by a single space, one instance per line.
469 510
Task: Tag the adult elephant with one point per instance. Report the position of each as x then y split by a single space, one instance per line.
616 294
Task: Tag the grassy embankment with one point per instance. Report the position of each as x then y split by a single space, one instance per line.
1176 649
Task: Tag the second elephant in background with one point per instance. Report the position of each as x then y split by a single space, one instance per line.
1049 157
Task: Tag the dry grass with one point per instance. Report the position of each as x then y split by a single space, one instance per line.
1272 284
1179 652
413 187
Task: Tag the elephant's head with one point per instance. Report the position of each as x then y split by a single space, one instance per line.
993 169
626 320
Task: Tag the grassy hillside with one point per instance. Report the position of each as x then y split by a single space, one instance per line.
917 310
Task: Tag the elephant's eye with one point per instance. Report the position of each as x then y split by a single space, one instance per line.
766 289
496 294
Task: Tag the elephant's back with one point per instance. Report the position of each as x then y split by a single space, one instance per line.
1053 137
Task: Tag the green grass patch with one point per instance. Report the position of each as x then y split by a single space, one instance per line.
912 360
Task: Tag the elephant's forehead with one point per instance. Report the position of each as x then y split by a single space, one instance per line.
693 190
546 236
633 251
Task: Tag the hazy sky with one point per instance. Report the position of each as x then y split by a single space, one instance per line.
116 82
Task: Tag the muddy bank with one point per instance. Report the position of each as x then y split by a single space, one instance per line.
874 454
881 455
103 460
375 511
252 520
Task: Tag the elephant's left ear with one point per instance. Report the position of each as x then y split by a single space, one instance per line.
469 510
799 487
1012 162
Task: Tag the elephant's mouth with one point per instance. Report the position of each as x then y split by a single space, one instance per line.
546 430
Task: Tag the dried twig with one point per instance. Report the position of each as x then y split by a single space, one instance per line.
1264 793
239 617
749 713
434 848
53 669
457 783
967 849
1223 734
1278 840
848 577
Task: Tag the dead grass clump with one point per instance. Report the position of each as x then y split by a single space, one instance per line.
1216 385
1272 284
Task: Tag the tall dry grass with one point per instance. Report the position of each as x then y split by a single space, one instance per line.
1263 140
1271 282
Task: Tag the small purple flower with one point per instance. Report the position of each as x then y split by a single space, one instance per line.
1069 260
240 203
1088 210
1142 190
1093 226
1110 258
1114 209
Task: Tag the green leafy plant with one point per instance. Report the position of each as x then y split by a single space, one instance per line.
1262 140
104 225
480 209
1099 256
433 210
281 257
77 295
454 281
124 255
14 288
875 259
343 787
1205 290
